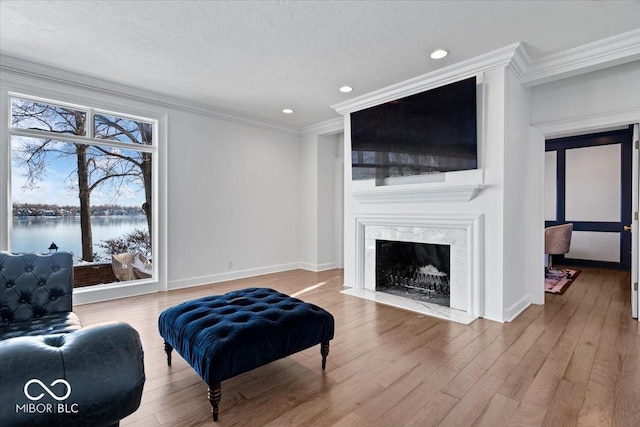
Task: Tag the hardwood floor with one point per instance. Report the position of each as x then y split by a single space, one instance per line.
573 361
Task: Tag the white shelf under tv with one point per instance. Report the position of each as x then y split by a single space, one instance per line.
398 194
461 186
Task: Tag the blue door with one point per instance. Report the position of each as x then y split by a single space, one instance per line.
593 191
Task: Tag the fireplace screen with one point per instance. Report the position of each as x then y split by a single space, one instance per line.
419 271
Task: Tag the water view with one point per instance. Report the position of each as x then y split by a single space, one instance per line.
35 234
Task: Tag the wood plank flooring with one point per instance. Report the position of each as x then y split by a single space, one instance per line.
573 361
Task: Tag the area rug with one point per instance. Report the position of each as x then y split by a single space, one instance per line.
558 284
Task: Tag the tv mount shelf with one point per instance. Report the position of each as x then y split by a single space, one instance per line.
397 194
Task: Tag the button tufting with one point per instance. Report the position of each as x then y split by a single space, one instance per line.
273 316
242 319
223 333
55 341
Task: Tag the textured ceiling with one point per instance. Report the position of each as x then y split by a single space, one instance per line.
253 58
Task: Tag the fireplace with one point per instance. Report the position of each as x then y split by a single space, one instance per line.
456 238
419 271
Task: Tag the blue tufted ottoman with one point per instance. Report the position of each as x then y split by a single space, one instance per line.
222 336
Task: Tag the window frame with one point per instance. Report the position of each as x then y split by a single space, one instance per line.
90 138
122 108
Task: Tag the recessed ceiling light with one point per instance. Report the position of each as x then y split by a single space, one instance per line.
346 89
288 111
439 54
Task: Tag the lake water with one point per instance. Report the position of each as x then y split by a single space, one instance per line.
35 234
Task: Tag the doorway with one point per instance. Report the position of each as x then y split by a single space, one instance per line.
588 180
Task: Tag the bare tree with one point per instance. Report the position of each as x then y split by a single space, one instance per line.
137 132
96 166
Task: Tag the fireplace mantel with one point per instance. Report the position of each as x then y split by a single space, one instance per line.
463 232
400 194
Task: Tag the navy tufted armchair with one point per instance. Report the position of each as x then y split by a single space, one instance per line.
53 372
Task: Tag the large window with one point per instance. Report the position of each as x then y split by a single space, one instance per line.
82 181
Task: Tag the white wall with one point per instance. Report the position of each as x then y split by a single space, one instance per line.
615 89
234 197
308 209
318 153
519 279
327 153
338 242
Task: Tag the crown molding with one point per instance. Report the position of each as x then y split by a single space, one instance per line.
440 77
598 55
29 69
589 124
594 56
327 127
520 62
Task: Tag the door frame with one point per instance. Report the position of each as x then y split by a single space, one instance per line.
539 134
560 146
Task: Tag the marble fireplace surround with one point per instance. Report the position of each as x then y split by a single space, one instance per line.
461 231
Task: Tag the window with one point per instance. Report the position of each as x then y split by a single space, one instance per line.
83 179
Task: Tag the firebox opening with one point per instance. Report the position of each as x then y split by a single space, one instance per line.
420 271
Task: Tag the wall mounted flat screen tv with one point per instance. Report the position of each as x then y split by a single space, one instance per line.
429 132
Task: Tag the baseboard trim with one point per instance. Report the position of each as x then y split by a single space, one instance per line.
317 267
111 291
225 277
517 308
99 293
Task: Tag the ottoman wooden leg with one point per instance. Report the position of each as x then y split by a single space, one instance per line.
214 395
324 351
168 349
